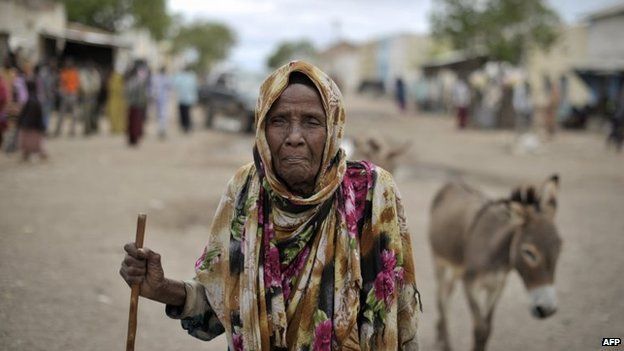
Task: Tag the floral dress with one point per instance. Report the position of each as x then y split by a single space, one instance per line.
333 271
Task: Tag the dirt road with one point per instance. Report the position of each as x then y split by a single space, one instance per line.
63 224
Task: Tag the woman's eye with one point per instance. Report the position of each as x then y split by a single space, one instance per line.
278 120
312 121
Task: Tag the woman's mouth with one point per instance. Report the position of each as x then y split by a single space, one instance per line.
294 159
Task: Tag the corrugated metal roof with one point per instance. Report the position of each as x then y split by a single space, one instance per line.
80 33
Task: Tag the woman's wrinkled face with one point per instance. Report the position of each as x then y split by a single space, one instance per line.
296 129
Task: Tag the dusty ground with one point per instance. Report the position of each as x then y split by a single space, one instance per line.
63 224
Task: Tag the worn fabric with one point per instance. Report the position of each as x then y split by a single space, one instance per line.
185 84
31 116
137 90
69 105
462 117
136 116
330 271
116 106
69 81
185 117
90 81
161 87
30 141
4 96
522 99
461 94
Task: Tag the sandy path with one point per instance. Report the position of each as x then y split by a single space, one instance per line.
63 223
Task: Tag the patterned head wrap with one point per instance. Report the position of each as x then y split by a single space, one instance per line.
333 164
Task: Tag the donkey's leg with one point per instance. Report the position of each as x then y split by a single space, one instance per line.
481 330
489 287
445 277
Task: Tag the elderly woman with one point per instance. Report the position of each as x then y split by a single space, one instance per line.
307 251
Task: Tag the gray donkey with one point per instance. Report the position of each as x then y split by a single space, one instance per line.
376 150
480 241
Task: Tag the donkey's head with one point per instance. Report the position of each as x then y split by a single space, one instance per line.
379 153
536 243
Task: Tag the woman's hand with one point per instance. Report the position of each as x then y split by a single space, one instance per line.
143 267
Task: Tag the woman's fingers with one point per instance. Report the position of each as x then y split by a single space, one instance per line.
141 266
153 259
135 271
132 250
132 270
134 262
131 279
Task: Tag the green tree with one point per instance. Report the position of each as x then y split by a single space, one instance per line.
152 14
212 41
115 15
502 29
287 51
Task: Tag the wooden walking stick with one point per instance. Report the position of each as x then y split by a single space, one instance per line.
134 295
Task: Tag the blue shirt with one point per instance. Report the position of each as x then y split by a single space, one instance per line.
185 84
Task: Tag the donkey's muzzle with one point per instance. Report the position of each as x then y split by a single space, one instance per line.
542 312
544 301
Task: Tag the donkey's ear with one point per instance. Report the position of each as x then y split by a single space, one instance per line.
399 150
548 196
525 195
517 213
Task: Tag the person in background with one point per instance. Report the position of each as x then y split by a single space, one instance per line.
102 96
552 107
435 92
69 86
137 96
420 94
616 135
7 75
461 102
523 106
564 107
89 87
31 125
161 88
399 93
185 84
17 99
4 99
116 106
46 90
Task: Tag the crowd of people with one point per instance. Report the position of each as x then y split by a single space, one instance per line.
493 102
49 100
24 113
502 100
79 93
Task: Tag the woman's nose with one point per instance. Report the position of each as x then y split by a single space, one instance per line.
295 136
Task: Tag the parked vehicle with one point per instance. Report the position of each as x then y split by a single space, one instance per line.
231 96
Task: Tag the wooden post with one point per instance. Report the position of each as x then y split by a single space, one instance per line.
134 295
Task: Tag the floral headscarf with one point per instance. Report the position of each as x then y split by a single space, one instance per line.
333 164
331 271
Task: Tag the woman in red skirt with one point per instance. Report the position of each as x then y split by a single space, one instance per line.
136 95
